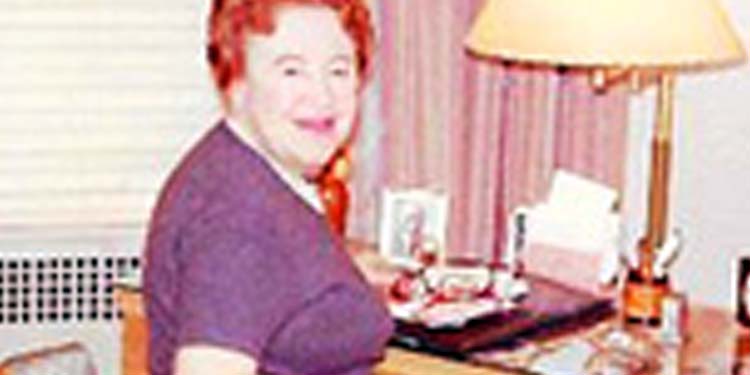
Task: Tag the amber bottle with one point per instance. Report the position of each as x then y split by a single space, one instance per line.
644 291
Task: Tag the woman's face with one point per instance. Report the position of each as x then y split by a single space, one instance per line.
300 91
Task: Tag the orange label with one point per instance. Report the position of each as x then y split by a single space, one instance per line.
643 301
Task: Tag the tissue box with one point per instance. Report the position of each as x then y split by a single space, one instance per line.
568 266
572 237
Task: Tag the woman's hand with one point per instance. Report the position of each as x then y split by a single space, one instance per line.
373 266
208 359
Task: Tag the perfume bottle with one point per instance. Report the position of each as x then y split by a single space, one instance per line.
644 290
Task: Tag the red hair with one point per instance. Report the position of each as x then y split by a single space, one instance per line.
231 20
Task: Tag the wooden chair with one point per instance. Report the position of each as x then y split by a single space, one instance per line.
70 358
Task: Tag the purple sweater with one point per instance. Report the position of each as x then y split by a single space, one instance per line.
235 259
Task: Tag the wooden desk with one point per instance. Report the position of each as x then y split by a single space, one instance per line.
711 346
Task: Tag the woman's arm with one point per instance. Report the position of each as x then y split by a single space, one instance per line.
378 271
208 359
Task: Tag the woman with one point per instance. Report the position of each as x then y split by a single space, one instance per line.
243 275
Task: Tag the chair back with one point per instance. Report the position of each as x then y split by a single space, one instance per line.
70 358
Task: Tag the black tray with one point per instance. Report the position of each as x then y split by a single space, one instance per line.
551 308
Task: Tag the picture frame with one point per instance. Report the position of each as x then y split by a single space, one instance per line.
412 218
742 290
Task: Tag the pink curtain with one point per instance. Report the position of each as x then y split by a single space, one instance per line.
489 135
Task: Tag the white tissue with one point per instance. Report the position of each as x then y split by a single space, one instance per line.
574 193
577 214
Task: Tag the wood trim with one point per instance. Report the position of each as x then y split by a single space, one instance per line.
134 337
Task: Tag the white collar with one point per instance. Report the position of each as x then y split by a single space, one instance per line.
304 189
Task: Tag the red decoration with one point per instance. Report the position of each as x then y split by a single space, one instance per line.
333 191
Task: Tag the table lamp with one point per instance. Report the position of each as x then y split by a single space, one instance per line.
639 40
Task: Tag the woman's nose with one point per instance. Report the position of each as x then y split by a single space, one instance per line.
321 93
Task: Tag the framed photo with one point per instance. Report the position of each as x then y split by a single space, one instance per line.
412 220
743 290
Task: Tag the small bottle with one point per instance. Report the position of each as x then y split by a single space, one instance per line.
643 297
674 318
644 292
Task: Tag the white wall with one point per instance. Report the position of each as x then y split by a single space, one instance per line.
98 100
710 198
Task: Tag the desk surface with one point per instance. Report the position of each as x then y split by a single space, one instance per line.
710 347
403 362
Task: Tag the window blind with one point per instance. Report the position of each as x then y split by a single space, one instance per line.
98 100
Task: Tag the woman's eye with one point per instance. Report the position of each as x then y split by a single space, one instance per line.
291 71
340 72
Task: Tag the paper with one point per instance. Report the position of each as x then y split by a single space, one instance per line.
574 193
572 229
568 360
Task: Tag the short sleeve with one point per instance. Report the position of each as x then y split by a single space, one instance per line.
234 291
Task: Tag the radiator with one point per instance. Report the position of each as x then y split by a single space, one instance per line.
49 297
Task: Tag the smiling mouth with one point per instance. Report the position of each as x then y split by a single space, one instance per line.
322 125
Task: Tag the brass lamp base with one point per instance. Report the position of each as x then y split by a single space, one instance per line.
644 292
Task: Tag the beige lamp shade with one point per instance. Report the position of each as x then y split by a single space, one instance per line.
626 33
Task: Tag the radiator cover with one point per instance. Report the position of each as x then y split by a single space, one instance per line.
50 297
